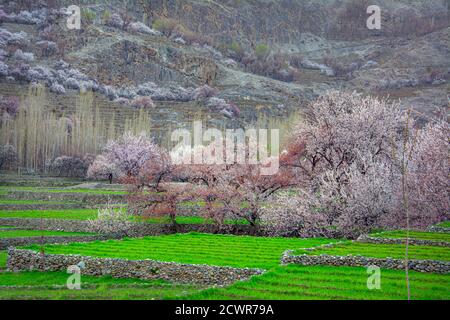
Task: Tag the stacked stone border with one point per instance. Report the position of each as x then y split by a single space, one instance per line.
438 229
371 239
435 266
23 241
10 228
26 260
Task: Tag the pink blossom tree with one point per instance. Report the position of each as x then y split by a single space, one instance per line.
348 159
125 156
343 158
428 186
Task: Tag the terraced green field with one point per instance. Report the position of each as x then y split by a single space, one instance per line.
396 251
419 235
194 248
86 214
325 282
72 214
3 257
52 285
445 224
38 233
279 282
6 189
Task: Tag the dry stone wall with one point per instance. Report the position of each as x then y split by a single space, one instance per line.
435 266
21 260
369 239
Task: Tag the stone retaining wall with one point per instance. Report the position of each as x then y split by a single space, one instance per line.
22 241
439 229
435 266
137 230
21 260
369 239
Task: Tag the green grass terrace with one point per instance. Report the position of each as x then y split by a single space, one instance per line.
417 235
192 248
445 224
331 283
52 286
39 233
89 214
395 251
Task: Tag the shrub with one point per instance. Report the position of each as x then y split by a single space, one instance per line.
128 154
115 21
220 105
122 101
106 16
204 92
47 48
18 39
67 166
72 83
125 92
142 103
102 169
3 54
167 93
236 50
166 25
23 56
4 69
262 50
8 156
4 17
9 105
179 40
57 88
88 16
112 220
139 27
109 92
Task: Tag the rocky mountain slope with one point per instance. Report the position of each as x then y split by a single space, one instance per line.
169 51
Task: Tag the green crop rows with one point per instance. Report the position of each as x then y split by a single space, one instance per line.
72 214
86 214
52 285
419 235
396 251
445 224
38 233
194 248
326 282
3 256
